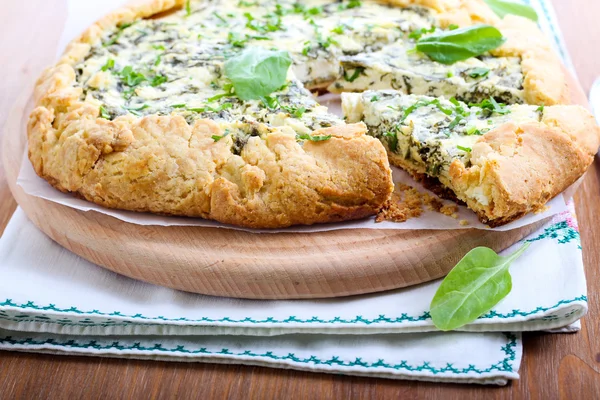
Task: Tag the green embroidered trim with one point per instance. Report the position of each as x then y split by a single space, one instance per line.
292 319
515 313
504 365
561 231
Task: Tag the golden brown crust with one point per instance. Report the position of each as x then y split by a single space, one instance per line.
518 168
162 164
544 78
544 82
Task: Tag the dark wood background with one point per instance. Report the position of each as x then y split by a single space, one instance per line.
563 366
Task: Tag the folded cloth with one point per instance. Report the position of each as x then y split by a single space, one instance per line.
46 288
486 358
54 301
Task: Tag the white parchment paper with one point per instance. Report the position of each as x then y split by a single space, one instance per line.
84 13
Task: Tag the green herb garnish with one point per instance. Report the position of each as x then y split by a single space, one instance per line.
478 72
492 106
455 122
472 130
317 138
220 17
474 286
465 149
224 106
418 33
540 109
110 64
297 112
158 80
188 8
351 4
103 113
117 35
339 29
256 72
392 139
136 111
357 72
460 44
504 7
216 138
374 99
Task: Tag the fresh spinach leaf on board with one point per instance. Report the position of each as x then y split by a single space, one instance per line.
449 47
257 72
474 286
504 7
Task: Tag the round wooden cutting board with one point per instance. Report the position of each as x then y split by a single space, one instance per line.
232 263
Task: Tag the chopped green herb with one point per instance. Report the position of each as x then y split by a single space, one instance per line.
131 78
188 8
417 34
351 4
540 109
136 111
103 113
317 138
270 102
110 64
339 29
478 72
220 17
465 149
392 140
474 286
452 27
449 74
472 130
216 138
455 122
491 106
159 47
117 35
178 106
297 112
158 80
243 3
357 72
307 48
374 99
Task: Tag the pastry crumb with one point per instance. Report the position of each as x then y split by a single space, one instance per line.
463 222
407 202
450 210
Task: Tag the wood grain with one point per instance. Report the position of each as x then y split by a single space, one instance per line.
554 366
230 263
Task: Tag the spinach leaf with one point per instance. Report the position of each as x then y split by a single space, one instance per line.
257 72
474 286
504 7
460 44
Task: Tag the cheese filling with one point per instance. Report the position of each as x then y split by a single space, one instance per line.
429 133
399 67
175 64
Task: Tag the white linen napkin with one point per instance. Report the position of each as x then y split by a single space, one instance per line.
53 301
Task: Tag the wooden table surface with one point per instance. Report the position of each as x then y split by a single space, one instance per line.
563 366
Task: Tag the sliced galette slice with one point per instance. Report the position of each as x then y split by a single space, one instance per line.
502 161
